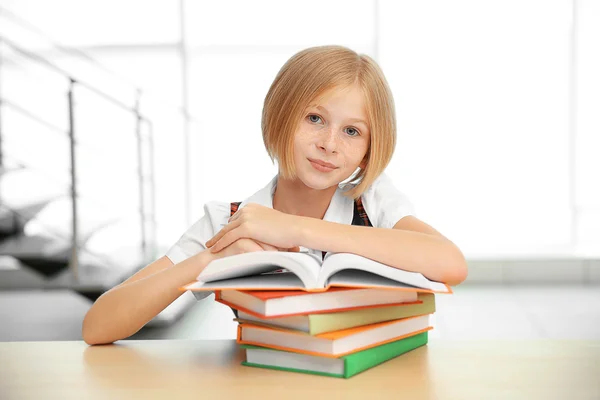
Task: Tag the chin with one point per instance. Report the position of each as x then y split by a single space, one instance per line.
319 181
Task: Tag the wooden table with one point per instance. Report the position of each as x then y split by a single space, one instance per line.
181 369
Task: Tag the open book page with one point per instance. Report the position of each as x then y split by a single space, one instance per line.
279 281
253 268
346 269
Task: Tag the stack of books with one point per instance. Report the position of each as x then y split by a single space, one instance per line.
336 318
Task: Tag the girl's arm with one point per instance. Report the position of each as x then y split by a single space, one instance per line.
126 308
411 245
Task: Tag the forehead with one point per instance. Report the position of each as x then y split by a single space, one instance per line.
350 100
337 93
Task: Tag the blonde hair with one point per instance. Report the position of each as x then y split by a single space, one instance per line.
306 76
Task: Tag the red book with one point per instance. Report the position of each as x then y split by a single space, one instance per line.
271 303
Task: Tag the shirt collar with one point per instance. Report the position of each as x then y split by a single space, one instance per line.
340 210
264 196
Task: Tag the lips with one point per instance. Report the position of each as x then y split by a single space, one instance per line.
322 163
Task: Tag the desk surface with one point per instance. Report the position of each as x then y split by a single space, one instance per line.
181 369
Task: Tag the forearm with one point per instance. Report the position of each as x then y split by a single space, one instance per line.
435 257
125 309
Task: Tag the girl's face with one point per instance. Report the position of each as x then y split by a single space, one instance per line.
332 138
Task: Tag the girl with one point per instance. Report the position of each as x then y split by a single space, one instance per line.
329 121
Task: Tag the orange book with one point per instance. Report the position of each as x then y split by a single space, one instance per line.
271 304
307 272
332 344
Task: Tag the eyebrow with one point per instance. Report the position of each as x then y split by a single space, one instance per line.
351 119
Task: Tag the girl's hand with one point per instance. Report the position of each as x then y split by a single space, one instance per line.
245 245
262 224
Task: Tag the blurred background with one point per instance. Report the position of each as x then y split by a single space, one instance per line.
120 119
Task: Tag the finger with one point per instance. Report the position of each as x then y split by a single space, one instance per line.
226 240
211 241
234 217
218 236
294 249
268 247
221 233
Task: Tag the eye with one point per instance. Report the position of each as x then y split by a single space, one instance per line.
314 118
352 131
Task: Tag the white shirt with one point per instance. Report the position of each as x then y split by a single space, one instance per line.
383 203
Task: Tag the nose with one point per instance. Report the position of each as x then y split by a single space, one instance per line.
328 141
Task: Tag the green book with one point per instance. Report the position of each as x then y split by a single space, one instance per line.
315 324
342 367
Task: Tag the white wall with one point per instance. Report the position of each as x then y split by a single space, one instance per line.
496 102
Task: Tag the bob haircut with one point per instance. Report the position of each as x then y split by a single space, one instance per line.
307 75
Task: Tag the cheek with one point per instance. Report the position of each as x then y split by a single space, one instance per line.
300 146
355 152
305 132
302 139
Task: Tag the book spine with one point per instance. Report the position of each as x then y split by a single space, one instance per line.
238 339
374 357
315 312
323 323
303 371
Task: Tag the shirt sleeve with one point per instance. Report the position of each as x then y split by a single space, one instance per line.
385 204
193 240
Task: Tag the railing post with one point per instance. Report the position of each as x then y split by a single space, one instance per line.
74 266
152 185
142 209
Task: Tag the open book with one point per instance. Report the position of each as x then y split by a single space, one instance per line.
304 271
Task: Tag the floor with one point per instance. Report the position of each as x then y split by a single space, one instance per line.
472 312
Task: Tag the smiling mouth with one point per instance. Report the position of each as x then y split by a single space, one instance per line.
319 166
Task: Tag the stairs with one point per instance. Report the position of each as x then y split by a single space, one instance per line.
48 173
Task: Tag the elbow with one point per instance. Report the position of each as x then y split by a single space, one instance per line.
99 330
96 329
457 275
88 336
91 335
456 270
91 340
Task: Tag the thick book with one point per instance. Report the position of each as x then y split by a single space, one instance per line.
274 303
314 324
332 344
342 367
305 271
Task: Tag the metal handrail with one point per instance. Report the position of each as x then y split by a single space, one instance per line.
51 126
183 109
70 50
21 22
56 129
61 182
66 74
74 260
28 114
